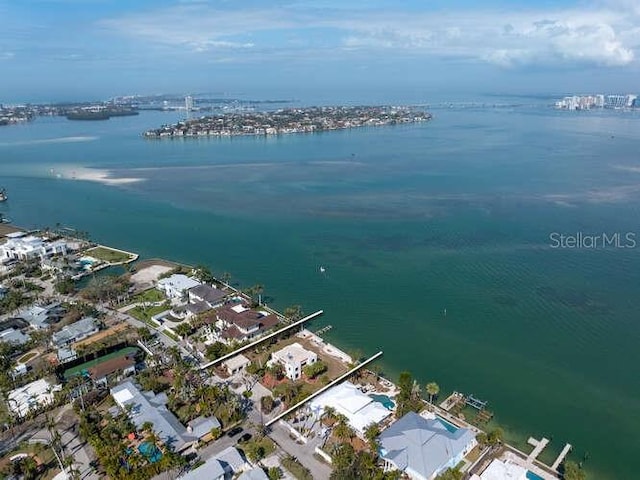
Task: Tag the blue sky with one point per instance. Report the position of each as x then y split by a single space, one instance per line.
60 49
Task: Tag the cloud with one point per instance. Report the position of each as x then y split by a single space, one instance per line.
606 35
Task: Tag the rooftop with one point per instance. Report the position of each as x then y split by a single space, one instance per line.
149 407
294 353
360 409
422 447
75 331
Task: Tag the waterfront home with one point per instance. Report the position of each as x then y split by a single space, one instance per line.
293 358
502 470
147 406
423 448
346 399
31 396
75 332
239 323
213 297
176 286
21 246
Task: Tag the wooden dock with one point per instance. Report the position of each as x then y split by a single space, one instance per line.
565 451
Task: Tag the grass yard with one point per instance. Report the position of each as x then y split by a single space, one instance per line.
144 314
109 255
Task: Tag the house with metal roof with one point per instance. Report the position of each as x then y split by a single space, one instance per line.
13 336
423 448
224 465
75 332
150 407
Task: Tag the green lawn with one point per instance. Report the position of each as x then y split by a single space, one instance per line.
108 255
144 314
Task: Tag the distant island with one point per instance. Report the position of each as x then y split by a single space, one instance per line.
293 120
99 113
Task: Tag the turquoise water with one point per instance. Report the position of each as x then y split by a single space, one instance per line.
150 451
451 428
408 221
384 400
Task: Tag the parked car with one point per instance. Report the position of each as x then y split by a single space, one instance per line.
245 438
234 431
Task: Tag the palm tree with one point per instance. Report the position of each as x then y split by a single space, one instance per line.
432 390
342 430
371 434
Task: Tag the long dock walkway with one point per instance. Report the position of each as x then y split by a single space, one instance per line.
565 451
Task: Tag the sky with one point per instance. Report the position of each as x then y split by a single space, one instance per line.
77 49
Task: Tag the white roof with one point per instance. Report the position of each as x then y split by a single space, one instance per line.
239 308
294 353
179 282
504 470
122 396
360 409
33 394
237 361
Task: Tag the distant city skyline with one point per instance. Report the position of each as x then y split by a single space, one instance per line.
72 49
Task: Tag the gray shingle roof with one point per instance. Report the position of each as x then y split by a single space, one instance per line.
416 444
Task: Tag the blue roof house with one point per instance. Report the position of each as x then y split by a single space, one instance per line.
423 448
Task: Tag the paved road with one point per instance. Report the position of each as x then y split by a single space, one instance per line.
67 426
304 453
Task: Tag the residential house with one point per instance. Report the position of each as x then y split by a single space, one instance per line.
3 291
236 364
346 399
42 317
120 366
150 407
66 354
75 332
31 396
293 358
176 286
21 246
239 323
502 470
256 473
213 297
423 448
13 336
224 465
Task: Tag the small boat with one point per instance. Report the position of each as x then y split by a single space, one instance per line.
3 195
322 269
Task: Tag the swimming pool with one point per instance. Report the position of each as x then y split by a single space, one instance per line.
150 451
533 476
385 400
451 428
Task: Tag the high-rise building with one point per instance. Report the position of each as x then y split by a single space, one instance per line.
188 103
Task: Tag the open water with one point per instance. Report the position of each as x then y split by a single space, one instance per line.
453 215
